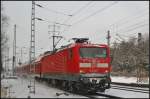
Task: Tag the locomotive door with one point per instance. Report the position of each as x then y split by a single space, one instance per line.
93 65
65 64
70 56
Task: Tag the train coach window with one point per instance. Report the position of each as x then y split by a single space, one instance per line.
93 52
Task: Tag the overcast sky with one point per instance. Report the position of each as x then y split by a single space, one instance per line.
90 19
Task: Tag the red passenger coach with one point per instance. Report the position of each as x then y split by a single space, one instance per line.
78 66
22 70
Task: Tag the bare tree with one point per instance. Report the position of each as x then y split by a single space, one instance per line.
3 36
129 58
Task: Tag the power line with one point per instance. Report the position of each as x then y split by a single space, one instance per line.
128 19
96 12
127 29
136 27
54 31
75 13
131 33
52 10
133 25
124 35
78 11
41 19
131 30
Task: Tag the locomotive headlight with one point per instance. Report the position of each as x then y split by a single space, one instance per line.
106 71
85 64
81 71
102 65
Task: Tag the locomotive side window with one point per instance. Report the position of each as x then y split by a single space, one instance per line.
70 54
93 52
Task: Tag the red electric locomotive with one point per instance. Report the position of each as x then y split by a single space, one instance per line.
78 66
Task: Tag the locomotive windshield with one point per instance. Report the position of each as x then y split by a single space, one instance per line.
95 52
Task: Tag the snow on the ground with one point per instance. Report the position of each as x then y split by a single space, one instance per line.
20 88
124 79
126 94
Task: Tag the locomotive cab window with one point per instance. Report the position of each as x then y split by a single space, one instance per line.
93 52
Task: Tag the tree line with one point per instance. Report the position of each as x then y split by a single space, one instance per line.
131 58
3 36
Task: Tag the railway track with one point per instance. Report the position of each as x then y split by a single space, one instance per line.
131 84
130 87
102 95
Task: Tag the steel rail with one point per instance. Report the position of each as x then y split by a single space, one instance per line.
103 95
126 89
131 84
129 87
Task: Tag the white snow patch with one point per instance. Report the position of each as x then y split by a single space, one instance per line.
20 88
128 79
126 94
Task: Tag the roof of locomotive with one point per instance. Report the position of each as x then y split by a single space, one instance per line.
84 45
80 45
47 53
